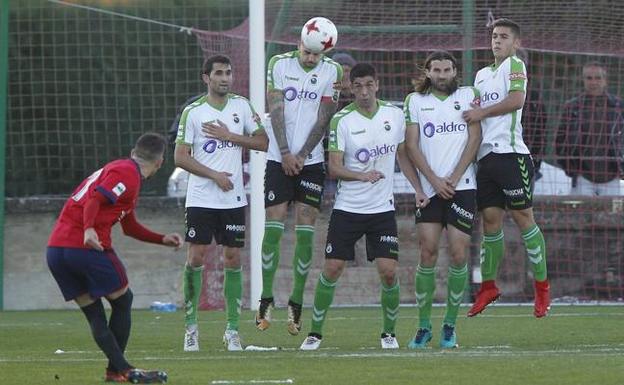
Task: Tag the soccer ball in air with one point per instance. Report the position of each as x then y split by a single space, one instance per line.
319 35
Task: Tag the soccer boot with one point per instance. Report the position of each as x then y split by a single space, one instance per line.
294 318
112 376
231 341
312 342
487 294
389 341
263 315
542 299
421 339
140 376
448 338
191 339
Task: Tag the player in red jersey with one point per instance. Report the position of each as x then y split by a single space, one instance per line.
83 262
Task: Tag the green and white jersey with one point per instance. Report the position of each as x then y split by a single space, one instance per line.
368 143
443 133
303 90
501 134
219 155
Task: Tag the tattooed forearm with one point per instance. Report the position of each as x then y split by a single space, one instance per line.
276 108
326 111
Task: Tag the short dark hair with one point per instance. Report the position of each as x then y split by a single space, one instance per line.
504 22
361 70
595 63
209 63
150 146
424 83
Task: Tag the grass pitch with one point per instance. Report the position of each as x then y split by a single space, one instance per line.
505 345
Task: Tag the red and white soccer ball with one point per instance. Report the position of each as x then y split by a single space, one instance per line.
319 35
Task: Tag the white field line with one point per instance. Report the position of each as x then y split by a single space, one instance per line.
286 381
481 351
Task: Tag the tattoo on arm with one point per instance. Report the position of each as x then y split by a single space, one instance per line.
276 108
325 113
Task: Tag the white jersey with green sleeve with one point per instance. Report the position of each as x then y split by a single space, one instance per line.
501 134
443 133
368 143
219 155
303 90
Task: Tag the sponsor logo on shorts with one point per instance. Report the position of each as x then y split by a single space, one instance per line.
388 239
514 193
311 186
237 228
462 212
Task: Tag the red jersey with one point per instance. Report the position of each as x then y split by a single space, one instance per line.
119 181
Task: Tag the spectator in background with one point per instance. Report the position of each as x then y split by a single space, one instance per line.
346 97
534 120
347 62
589 141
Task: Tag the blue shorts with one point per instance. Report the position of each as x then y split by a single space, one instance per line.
80 271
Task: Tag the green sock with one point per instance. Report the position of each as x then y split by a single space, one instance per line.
390 306
232 291
536 250
192 289
302 260
456 283
492 251
273 231
323 297
425 286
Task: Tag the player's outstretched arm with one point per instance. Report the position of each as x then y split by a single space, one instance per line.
513 102
326 110
412 141
132 228
468 155
184 159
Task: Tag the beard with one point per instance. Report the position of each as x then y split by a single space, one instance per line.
445 86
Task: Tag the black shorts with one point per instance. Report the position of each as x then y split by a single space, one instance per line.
346 228
80 271
505 181
307 187
227 226
458 211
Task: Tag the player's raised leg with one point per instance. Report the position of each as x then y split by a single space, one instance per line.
492 251
536 252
